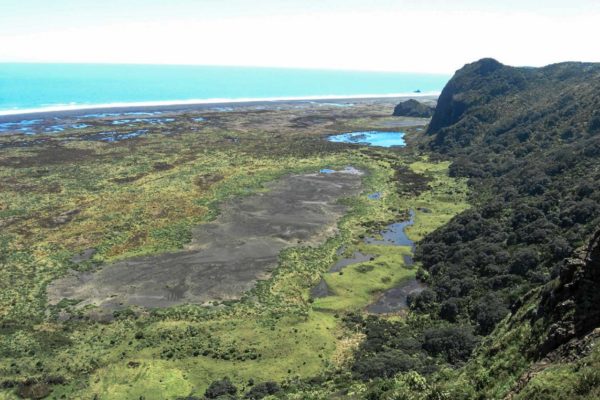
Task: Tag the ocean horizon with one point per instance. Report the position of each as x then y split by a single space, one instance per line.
29 88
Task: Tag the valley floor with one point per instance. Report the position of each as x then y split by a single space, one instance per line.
73 203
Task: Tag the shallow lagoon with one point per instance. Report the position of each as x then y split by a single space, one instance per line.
394 234
371 138
24 126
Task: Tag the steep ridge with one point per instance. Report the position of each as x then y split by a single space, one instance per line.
572 308
534 171
528 139
488 98
461 93
548 347
512 309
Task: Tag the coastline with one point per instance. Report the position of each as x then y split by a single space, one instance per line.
197 104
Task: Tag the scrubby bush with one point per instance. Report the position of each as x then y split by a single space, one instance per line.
263 389
220 388
450 310
454 343
384 364
423 302
594 124
524 260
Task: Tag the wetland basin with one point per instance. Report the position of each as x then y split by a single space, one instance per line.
225 257
356 258
395 299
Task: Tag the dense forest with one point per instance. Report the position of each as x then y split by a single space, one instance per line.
528 140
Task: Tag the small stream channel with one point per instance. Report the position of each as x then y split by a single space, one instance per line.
394 299
391 300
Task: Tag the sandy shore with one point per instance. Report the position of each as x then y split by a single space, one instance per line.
202 106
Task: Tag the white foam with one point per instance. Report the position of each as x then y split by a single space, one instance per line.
74 107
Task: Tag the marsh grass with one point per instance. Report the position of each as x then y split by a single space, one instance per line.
143 196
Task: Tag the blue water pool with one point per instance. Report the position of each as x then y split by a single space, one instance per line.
371 138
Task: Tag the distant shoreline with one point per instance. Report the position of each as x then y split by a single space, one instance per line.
197 104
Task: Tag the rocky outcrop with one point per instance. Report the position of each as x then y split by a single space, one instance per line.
413 108
564 323
486 99
572 308
473 85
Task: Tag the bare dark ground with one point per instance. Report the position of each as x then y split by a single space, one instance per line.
395 299
226 257
356 258
321 290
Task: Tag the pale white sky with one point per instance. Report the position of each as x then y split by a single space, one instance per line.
393 35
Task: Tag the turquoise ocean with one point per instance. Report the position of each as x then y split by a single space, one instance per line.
53 87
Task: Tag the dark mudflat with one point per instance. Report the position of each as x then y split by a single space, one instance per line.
321 290
226 257
86 255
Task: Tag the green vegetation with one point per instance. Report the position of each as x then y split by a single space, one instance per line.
142 197
357 285
527 141
503 187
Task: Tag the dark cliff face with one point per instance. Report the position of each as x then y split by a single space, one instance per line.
463 91
486 99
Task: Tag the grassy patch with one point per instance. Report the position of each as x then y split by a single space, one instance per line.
356 286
